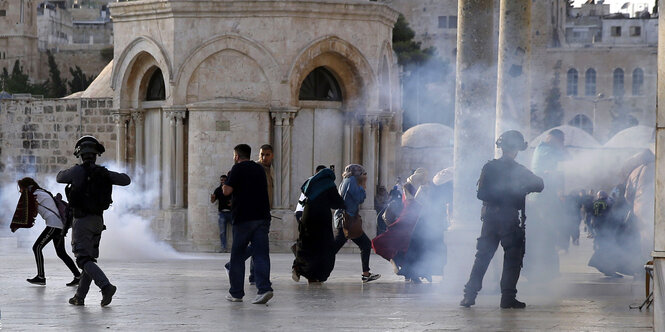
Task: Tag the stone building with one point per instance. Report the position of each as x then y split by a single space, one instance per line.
18 35
605 64
191 82
435 23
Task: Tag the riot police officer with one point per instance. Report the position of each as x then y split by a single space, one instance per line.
89 195
503 186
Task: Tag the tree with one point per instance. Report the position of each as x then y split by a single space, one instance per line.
57 87
19 82
553 109
80 81
408 51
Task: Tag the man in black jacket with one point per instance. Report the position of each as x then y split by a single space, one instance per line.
251 222
503 186
88 200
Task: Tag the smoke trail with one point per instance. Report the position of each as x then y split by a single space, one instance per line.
128 233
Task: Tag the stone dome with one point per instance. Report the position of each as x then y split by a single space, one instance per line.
633 137
575 137
428 135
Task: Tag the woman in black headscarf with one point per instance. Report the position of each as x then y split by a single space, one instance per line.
315 248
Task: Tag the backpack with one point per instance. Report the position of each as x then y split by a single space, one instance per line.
93 196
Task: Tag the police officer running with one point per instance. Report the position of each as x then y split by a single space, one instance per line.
503 186
89 194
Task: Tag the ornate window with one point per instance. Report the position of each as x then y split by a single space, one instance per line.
320 84
590 82
571 88
583 122
638 81
618 82
156 89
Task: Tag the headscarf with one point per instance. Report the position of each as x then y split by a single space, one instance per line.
318 183
353 170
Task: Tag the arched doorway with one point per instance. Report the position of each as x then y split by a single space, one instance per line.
319 126
583 122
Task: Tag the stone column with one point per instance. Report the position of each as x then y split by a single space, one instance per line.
474 106
383 152
169 150
179 158
175 169
138 118
369 153
346 150
513 109
659 231
282 125
121 119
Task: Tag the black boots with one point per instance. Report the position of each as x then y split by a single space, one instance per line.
468 301
107 294
512 303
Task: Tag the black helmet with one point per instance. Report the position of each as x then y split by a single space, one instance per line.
88 144
512 140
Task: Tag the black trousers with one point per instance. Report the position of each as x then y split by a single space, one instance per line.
55 234
511 237
362 242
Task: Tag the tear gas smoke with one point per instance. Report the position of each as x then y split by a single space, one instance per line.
128 234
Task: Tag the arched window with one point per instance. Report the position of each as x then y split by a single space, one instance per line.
583 122
320 84
590 82
155 89
571 88
618 82
638 81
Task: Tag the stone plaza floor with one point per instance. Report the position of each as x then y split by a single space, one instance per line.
186 293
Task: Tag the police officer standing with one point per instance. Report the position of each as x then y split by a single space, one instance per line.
503 186
89 195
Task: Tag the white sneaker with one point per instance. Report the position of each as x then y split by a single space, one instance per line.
263 298
230 298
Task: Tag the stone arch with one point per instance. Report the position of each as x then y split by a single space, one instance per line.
349 66
248 47
140 56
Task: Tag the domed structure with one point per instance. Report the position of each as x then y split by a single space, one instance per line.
428 145
575 137
633 137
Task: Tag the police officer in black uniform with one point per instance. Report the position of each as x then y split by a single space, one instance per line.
88 223
503 186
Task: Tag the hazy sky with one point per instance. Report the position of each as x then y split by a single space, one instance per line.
615 5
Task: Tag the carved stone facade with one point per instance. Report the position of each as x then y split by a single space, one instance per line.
248 72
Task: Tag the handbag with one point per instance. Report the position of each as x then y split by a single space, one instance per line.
352 226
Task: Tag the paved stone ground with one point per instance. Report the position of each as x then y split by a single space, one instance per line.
187 293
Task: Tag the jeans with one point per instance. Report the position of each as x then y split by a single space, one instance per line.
244 233
362 242
223 220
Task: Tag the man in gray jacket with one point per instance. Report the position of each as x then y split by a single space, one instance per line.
89 194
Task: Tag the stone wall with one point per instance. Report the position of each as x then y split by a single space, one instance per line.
37 136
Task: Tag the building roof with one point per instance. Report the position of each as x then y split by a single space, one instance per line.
428 135
5 95
101 86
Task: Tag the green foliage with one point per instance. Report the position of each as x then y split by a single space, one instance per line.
106 54
409 51
19 82
57 87
80 81
553 109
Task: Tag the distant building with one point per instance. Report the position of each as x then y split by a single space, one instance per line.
18 35
592 50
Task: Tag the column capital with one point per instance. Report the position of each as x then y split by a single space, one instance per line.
120 116
282 115
138 116
370 118
175 112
